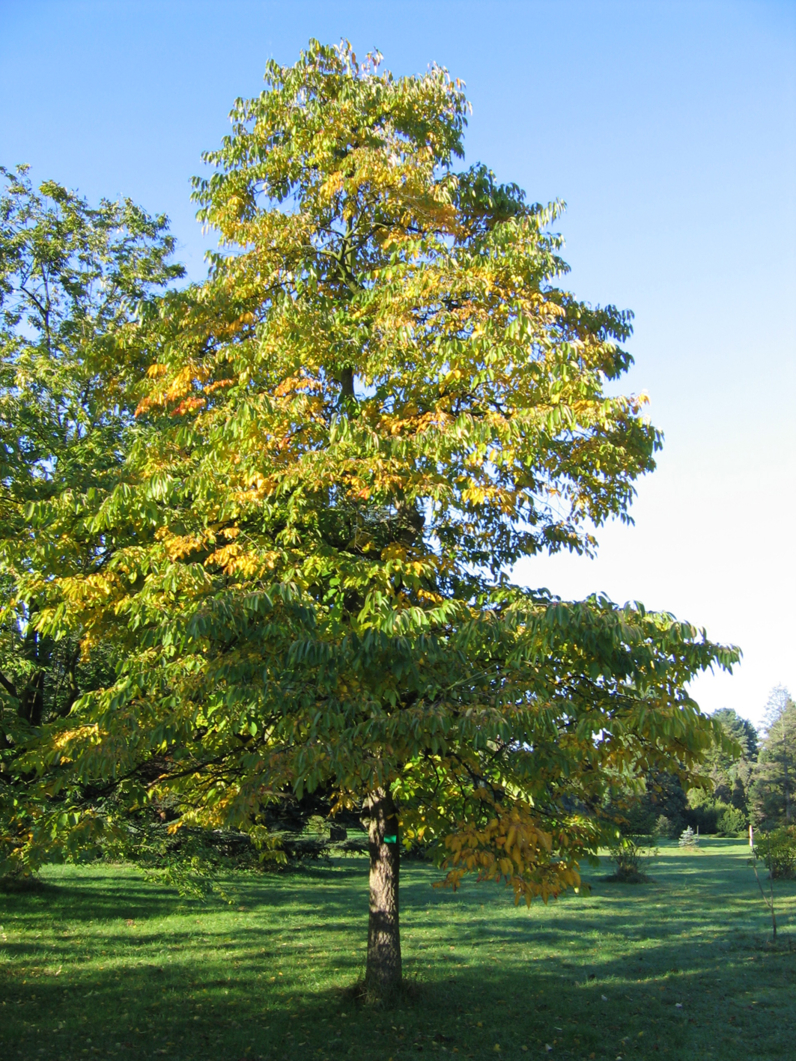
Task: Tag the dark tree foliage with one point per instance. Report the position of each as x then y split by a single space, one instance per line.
75 283
773 792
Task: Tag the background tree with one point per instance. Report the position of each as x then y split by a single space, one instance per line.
73 280
654 804
772 792
379 402
723 806
731 774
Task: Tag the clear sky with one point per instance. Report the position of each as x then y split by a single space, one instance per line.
669 129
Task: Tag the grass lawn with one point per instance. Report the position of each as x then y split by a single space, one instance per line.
103 964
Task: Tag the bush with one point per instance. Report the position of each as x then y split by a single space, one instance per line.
731 821
664 828
629 854
703 811
778 851
710 815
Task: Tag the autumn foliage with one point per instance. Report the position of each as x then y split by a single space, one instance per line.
380 400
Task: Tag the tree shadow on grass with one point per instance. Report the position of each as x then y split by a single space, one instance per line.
224 1005
654 967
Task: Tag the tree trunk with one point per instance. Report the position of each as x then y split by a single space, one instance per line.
383 974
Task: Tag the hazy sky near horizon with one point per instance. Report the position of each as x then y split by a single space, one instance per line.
670 130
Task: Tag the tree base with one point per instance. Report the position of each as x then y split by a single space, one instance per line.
632 877
408 992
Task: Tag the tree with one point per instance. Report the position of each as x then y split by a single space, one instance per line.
724 806
742 732
731 774
380 400
656 802
719 803
73 278
775 774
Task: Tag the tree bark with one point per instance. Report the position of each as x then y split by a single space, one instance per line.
383 973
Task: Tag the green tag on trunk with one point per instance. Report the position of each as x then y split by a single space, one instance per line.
391 839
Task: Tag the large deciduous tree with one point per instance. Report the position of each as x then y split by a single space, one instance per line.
380 401
73 279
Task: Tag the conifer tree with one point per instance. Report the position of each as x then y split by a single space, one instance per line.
773 793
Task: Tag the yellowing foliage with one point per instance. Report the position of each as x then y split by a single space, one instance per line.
380 400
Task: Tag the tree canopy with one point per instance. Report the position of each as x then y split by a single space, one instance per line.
774 786
72 279
379 401
732 773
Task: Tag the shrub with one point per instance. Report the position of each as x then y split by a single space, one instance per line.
664 828
703 811
629 854
731 821
778 851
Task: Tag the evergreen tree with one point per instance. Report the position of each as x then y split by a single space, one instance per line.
775 774
731 774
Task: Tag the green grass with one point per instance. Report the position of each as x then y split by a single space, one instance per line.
103 964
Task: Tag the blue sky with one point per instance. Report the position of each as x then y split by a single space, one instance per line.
670 131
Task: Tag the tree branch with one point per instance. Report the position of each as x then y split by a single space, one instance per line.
9 687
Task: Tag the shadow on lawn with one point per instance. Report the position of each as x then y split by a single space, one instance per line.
198 1006
206 981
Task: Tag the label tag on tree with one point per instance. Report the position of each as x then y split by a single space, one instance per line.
391 839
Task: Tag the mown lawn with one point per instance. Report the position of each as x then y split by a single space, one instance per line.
103 964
